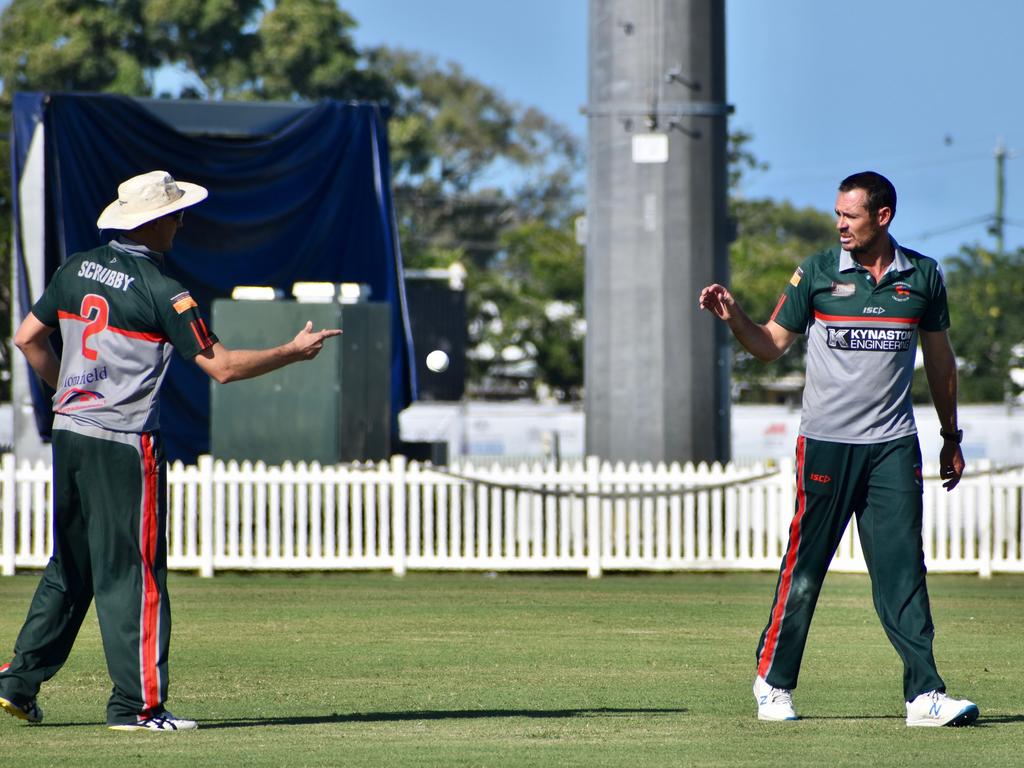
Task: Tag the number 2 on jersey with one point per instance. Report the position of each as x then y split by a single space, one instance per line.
97 321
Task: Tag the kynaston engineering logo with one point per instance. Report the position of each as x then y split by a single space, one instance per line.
870 339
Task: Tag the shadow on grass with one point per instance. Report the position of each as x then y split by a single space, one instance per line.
457 714
983 721
849 718
999 719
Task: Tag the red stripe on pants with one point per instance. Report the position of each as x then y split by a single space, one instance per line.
772 638
150 592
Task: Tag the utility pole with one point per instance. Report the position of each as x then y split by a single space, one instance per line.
999 220
656 368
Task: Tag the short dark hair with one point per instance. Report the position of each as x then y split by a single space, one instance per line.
880 191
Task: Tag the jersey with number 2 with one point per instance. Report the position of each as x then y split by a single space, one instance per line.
120 317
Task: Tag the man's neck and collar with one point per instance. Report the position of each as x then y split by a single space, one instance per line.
125 243
885 256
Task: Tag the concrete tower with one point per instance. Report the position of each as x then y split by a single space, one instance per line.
657 369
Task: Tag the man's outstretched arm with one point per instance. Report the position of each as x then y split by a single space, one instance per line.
765 342
225 365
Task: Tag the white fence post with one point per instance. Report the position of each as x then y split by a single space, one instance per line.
593 488
10 490
206 537
984 523
399 512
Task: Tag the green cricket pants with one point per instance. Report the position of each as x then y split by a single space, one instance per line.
881 484
109 541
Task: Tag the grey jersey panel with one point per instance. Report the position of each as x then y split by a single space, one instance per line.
120 390
859 397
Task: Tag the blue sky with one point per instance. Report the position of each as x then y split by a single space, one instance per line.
918 90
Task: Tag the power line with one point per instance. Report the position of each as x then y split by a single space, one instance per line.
816 172
953 227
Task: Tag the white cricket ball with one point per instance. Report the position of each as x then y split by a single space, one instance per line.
437 361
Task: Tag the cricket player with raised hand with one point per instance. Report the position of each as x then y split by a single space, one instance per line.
864 305
120 317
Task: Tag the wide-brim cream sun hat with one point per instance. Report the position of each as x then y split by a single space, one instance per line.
146 197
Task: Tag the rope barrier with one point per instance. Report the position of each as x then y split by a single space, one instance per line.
576 492
674 492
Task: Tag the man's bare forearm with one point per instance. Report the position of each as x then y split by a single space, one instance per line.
757 339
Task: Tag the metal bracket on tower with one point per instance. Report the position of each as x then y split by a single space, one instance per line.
675 124
675 75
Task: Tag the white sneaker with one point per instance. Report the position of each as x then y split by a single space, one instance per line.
773 703
935 708
165 721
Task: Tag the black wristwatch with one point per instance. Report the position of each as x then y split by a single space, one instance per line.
956 436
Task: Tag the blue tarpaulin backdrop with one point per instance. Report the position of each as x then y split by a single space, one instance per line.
310 199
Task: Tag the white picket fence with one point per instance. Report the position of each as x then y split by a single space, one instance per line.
588 516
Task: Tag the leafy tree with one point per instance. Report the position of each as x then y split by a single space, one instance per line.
739 160
986 325
214 41
306 51
529 305
451 138
60 45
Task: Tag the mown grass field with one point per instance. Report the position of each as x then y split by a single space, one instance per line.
529 670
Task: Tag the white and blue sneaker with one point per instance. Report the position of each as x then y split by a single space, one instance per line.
935 708
773 703
162 722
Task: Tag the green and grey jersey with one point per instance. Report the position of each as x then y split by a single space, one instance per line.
119 317
862 341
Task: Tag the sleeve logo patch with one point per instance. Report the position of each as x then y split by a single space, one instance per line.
795 279
183 302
